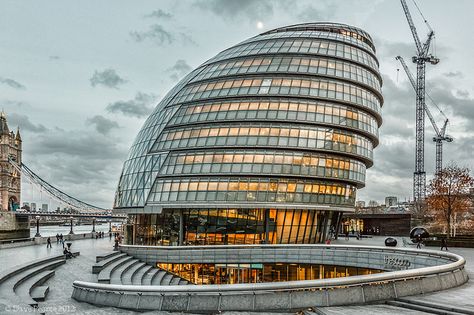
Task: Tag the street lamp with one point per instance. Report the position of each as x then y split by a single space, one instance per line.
71 231
93 225
37 226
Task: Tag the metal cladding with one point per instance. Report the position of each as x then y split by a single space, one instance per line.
286 119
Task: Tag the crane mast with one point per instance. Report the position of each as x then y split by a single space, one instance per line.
422 56
440 134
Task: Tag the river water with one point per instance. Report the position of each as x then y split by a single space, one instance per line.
78 229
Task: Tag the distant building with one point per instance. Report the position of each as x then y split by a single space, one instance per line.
360 204
10 180
44 207
391 201
33 206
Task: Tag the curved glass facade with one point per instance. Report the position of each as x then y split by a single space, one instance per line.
267 142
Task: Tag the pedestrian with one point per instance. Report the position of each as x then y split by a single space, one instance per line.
418 242
444 243
49 243
347 235
110 235
57 238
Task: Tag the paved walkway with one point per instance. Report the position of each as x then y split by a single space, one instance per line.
80 269
462 296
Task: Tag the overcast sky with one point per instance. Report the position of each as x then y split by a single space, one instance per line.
80 77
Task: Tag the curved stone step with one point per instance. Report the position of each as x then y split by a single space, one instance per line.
10 286
175 280
39 293
158 277
25 289
148 277
7 274
166 279
117 275
127 276
137 278
98 267
105 256
19 279
183 282
105 274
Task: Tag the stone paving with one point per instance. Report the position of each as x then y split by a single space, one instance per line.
59 299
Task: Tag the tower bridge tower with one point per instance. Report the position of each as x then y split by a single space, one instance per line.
10 178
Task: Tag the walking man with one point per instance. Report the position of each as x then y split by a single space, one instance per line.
418 242
444 243
49 243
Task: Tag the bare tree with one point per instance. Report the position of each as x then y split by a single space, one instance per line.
448 194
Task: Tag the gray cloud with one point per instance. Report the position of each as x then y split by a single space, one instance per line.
12 83
54 57
231 9
75 161
160 14
310 12
102 125
179 69
108 78
140 106
454 74
155 33
24 123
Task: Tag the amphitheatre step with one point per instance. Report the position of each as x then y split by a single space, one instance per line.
104 256
23 291
117 274
17 287
175 280
24 276
39 293
420 308
137 278
98 267
148 277
158 277
166 279
5 275
127 276
437 306
106 273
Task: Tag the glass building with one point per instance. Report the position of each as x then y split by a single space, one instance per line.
267 142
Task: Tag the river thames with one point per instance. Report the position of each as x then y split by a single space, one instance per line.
78 229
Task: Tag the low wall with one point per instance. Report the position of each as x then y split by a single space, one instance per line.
423 272
44 239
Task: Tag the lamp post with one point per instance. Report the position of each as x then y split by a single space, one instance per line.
71 231
37 226
93 225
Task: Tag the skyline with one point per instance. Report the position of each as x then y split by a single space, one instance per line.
95 89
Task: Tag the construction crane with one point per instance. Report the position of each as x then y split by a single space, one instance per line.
440 133
421 58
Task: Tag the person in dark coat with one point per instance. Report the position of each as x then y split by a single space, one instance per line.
49 243
444 243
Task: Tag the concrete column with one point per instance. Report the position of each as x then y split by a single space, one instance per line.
266 226
38 226
93 225
71 231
